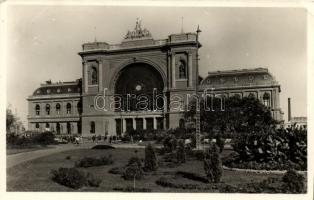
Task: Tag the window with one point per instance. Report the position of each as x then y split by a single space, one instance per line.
37 109
266 100
79 107
251 95
182 123
47 125
94 76
182 69
92 127
58 108
69 108
37 125
47 109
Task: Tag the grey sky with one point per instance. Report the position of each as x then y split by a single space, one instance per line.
43 42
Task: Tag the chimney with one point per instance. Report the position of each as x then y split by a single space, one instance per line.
289 109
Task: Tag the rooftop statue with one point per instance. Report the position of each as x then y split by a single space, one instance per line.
138 32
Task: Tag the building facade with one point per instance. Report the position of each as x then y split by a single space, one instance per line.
141 83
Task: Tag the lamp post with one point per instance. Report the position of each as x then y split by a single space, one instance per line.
197 131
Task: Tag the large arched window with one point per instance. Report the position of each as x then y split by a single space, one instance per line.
37 109
48 109
92 127
182 69
69 108
94 75
266 100
58 108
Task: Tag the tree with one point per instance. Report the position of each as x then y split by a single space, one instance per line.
150 163
233 114
10 120
212 164
181 156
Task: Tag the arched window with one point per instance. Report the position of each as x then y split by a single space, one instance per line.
182 69
37 109
251 95
69 108
92 127
48 109
182 123
94 76
266 100
58 108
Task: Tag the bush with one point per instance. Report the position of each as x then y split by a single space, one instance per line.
220 142
181 156
92 162
69 177
73 178
213 164
44 138
273 146
93 181
192 176
294 182
116 170
167 182
170 143
133 169
132 189
151 163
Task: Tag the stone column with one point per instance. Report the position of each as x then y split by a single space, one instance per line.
123 125
100 75
134 123
74 127
85 77
155 123
190 69
144 124
173 69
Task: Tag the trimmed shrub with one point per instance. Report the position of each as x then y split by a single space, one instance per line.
293 182
44 138
133 170
150 163
92 162
69 177
220 142
181 156
167 182
213 165
170 143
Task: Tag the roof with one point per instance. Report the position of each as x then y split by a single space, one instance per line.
57 88
238 78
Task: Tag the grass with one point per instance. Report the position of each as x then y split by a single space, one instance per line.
35 175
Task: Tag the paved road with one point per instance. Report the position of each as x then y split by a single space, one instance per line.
18 158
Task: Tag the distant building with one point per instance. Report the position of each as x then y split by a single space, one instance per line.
297 122
139 66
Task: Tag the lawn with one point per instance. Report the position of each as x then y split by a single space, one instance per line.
35 175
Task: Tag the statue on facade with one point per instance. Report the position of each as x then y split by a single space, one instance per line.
138 32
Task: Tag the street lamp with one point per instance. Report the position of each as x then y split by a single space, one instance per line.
197 131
